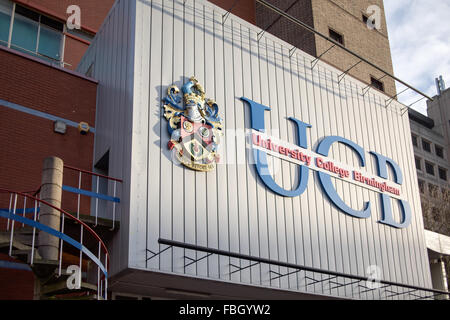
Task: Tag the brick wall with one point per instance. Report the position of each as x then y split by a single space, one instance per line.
285 29
244 9
74 51
15 284
345 17
26 140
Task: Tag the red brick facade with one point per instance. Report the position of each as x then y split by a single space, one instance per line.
286 30
74 51
15 284
26 140
244 9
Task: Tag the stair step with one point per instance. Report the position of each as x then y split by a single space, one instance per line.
43 268
17 244
22 231
60 288
101 222
21 254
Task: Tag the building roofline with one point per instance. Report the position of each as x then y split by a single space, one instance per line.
421 119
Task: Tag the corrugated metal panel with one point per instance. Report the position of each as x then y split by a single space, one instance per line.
230 208
111 57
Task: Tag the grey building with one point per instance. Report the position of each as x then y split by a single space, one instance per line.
430 137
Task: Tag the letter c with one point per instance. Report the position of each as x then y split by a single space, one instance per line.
325 179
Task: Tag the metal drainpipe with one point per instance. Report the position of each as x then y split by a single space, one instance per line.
51 192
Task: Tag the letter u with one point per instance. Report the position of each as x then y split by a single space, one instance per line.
260 157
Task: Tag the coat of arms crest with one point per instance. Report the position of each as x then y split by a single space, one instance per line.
195 127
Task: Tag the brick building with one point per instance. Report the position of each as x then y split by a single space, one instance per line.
37 88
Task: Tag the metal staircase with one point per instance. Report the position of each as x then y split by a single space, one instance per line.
81 270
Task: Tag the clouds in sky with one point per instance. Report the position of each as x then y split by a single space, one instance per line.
419 34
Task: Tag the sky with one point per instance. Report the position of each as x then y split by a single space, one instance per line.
419 34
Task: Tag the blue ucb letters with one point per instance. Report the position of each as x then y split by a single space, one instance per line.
260 157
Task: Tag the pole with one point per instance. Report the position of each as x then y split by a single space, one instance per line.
51 191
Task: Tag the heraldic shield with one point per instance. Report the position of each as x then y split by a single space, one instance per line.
195 127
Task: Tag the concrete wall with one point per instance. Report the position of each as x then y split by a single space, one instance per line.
439 111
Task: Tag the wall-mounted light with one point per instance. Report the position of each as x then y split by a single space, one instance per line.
84 128
60 127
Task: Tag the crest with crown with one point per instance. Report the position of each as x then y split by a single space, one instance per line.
194 126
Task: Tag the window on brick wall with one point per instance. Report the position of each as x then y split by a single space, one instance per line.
365 19
6 8
336 36
30 32
377 84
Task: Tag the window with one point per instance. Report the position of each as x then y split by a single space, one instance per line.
365 18
426 145
443 174
429 168
377 84
31 32
339 38
415 141
418 164
6 8
422 186
439 151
